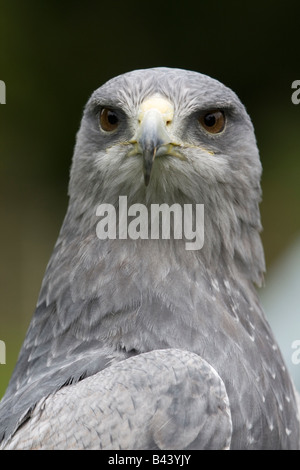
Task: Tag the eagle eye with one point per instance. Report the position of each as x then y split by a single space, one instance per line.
213 121
109 120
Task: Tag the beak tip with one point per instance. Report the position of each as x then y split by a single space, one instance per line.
147 178
149 155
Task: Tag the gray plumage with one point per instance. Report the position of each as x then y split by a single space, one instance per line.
110 357
148 399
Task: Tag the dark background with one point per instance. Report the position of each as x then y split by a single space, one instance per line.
54 54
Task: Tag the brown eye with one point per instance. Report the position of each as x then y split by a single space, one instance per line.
109 120
213 121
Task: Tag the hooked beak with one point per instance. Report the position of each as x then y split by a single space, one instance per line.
152 137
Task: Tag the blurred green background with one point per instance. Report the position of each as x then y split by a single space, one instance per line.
54 54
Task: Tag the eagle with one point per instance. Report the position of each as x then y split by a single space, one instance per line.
140 339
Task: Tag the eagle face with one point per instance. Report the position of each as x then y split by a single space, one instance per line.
169 129
176 137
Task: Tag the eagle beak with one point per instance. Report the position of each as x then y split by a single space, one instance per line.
152 137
